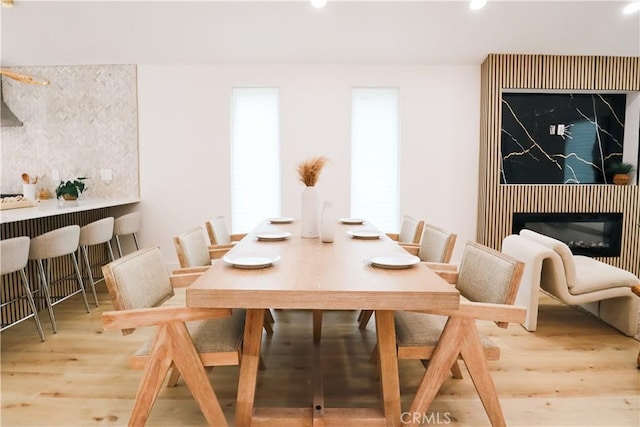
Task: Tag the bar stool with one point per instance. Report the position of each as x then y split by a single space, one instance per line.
125 225
60 242
14 256
96 233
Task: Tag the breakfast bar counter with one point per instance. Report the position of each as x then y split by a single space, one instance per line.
51 207
49 215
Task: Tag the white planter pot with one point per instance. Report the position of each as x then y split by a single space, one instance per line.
310 215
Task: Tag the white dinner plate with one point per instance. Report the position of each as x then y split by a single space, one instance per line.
364 234
352 221
272 236
281 220
250 261
398 261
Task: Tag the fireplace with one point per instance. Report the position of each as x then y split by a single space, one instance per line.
589 234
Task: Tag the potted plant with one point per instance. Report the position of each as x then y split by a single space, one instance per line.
70 190
621 172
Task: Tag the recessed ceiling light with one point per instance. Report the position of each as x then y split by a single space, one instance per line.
477 4
631 8
318 3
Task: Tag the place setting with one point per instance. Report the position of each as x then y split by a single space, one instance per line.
365 234
395 262
251 262
351 221
272 236
281 220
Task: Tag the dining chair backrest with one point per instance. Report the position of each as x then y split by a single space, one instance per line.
218 231
488 276
14 254
410 230
191 248
138 280
436 244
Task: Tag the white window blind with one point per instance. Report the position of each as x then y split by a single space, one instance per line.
374 156
255 157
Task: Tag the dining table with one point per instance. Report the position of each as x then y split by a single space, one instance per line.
273 267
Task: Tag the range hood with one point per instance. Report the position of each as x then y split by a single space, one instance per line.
7 118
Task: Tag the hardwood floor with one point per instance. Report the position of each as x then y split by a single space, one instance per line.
574 371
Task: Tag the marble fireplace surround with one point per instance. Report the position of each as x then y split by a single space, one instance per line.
556 74
85 122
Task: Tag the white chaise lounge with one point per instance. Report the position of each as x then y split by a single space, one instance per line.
600 288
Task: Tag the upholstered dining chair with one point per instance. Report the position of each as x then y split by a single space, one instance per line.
435 249
436 245
219 233
186 339
195 257
410 231
488 283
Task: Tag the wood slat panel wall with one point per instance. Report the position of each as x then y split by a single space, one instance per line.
60 267
496 202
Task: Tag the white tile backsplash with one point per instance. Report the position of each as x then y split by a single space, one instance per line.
85 121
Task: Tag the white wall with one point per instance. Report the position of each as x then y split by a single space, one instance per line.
184 127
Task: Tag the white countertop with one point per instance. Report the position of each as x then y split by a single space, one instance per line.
53 207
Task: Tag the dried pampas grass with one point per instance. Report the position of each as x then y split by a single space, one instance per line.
309 170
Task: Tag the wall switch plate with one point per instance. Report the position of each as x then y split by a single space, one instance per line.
55 175
561 130
552 129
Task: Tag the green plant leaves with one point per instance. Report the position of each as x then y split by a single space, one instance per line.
72 188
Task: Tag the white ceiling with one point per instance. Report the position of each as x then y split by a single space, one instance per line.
344 32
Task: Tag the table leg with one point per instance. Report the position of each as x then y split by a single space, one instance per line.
388 357
249 366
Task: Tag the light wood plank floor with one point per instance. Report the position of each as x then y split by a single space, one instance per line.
574 371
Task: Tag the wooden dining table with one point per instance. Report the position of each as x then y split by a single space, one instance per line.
309 274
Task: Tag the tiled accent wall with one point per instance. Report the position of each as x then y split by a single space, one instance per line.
85 121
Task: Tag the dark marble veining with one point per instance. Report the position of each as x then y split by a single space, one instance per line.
560 138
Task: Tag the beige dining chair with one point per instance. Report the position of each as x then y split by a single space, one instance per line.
219 233
186 339
410 231
195 257
488 282
435 250
193 251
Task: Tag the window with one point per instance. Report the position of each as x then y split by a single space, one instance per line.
374 156
255 157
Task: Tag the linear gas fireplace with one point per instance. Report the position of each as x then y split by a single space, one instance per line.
589 234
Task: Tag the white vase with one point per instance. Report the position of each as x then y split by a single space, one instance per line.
310 215
327 223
